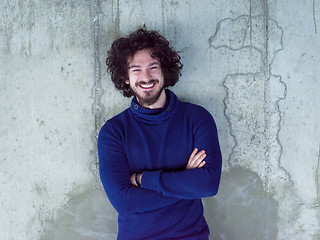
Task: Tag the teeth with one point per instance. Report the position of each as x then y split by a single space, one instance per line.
147 85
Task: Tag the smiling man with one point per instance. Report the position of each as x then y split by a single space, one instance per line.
146 79
158 158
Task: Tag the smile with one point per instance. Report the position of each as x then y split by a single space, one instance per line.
147 86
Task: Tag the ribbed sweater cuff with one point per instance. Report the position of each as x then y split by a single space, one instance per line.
150 180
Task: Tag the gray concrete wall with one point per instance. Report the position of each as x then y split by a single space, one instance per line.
253 64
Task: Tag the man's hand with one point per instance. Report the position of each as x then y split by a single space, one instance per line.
133 179
196 159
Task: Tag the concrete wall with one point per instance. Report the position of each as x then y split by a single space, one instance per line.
253 64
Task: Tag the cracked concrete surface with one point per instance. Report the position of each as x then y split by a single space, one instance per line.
253 93
258 76
252 106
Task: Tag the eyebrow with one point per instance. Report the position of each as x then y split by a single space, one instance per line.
134 66
138 66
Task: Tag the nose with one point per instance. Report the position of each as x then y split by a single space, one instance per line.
146 75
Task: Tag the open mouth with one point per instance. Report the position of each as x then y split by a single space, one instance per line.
147 86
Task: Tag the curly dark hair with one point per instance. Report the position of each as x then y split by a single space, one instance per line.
125 47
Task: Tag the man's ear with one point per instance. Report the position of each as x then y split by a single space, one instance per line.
127 82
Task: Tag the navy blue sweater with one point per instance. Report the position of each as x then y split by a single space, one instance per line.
159 143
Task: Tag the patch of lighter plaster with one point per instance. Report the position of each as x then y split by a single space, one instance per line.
252 112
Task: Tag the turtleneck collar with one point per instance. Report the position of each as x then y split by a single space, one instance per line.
159 114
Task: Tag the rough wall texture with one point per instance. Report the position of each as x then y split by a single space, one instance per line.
253 64
47 149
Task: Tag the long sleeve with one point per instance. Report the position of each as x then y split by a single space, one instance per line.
158 142
115 177
194 183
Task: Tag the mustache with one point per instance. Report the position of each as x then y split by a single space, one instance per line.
149 82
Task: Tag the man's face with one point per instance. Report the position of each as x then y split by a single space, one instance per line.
145 77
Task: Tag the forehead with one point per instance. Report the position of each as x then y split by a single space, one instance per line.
142 57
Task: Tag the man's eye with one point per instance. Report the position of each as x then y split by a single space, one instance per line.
135 70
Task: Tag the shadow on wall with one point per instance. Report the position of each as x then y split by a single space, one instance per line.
88 216
242 210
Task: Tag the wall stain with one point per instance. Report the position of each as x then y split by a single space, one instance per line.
241 194
252 108
252 85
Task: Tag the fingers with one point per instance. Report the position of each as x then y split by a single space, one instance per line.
196 159
133 180
202 164
193 153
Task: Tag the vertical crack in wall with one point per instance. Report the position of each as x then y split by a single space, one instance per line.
317 178
266 76
314 17
250 20
97 88
163 17
116 18
98 108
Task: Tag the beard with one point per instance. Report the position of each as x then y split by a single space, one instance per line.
150 97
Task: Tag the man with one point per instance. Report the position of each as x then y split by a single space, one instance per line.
159 157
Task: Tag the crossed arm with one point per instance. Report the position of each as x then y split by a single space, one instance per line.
159 188
196 160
